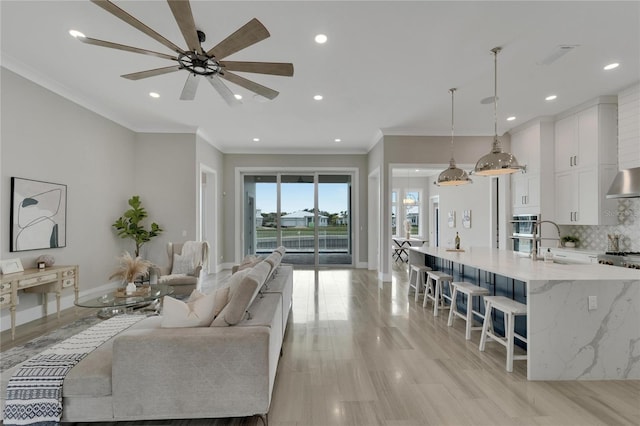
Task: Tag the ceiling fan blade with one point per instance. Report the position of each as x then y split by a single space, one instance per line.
181 10
250 85
274 68
121 14
190 87
223 90
250 33
96 42
151 73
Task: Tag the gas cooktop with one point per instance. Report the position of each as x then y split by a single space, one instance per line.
623 253
626 259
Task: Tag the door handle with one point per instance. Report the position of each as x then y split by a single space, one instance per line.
575 163
570 161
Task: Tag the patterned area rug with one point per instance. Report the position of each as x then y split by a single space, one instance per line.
18 354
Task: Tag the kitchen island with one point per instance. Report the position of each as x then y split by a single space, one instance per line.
566 339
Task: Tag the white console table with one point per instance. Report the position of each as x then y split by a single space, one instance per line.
53 279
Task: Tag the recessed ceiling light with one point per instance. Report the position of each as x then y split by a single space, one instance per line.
256 139
318 97
154 94
238 97
337 140
551 98
612 66
511 118
321 39
76 34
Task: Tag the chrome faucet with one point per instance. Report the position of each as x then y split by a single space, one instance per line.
537 239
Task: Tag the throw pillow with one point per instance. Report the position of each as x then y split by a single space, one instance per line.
182 265
221 299
241 292
196 313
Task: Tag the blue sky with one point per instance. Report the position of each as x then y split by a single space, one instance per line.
332 197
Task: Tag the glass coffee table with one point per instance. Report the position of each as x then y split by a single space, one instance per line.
117 302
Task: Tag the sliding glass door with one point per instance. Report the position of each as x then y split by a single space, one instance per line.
334 208
307 213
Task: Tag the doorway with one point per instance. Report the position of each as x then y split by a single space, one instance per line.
307 213
435 221
208 213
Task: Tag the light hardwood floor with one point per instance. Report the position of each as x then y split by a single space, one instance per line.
357 354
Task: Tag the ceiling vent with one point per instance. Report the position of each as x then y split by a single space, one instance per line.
557 53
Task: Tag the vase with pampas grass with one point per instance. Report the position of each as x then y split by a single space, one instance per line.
130 269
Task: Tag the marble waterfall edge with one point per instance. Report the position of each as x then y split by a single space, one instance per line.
573 342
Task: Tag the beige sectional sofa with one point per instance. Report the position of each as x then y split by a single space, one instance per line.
150 372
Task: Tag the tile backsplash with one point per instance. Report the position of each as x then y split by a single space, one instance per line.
628 227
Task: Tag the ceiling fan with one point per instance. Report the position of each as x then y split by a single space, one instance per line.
197 61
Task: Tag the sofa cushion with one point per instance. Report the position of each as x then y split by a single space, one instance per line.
197 313
242 292
249 262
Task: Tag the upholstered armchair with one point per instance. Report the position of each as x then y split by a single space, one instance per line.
187 267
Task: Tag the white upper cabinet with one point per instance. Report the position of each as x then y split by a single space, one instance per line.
525 146
585 148
532 145
586 138
566 140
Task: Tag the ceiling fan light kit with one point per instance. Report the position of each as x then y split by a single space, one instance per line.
496 162
196 61
453 176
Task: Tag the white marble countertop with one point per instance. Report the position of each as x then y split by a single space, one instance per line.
513 265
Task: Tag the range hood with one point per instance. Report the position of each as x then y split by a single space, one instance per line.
626 184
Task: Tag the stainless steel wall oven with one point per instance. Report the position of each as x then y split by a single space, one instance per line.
522 232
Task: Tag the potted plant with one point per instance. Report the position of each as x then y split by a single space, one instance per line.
569 241
129 224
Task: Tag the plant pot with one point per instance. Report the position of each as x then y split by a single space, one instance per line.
131 288
569 244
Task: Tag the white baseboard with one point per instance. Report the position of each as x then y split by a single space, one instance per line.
225 266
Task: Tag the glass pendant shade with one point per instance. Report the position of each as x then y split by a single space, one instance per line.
496 162
452 176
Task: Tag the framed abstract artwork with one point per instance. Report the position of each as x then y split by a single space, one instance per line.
466 218
451 220
38 215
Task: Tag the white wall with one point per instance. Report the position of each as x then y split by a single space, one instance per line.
166 181
46 137
474 197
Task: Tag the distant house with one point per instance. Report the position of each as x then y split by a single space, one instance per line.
343 220
301 219
259 217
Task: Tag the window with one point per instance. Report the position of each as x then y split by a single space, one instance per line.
413 212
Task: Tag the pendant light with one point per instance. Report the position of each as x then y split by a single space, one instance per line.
453 176
408 199
496 162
